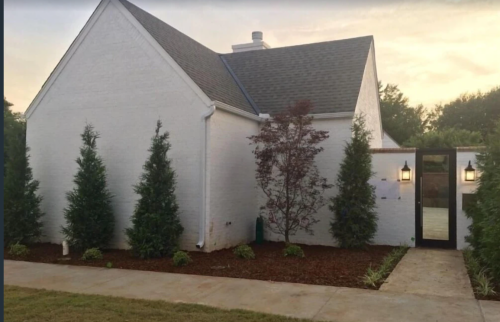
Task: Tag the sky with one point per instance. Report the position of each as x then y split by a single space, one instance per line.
434 50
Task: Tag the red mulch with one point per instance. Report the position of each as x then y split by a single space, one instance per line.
322 265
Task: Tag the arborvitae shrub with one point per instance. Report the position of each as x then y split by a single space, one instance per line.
354 218
89 216
156 227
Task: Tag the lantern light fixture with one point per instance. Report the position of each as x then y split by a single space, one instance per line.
470 173
405 173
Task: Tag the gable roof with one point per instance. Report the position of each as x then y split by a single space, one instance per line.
327 73
203 65
266 81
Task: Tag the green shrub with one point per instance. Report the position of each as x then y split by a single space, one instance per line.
109 265
181 259
485 227
293 250
156 227
19 250
22 214
89 215
91 254
372 277
472 264
354 221
244 251
484 286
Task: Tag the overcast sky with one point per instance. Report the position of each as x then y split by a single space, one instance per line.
434 50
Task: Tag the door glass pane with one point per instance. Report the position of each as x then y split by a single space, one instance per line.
435 196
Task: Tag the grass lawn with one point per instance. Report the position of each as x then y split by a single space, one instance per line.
25 304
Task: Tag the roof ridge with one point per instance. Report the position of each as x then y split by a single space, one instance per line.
303 45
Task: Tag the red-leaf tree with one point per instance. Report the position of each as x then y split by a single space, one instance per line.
284 151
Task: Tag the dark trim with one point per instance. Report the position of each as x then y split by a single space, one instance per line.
452 208
240 85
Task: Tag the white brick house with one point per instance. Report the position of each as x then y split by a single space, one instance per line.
126 69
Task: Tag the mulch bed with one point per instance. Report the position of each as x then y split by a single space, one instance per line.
322 265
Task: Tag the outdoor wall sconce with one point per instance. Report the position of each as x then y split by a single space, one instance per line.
405 173
470 173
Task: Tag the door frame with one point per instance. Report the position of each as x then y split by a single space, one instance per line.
452 207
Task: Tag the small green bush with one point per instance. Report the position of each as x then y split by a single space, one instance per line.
471 262
91 254
374 277
244 251
19 250
484 286
181 258
293 250
109 265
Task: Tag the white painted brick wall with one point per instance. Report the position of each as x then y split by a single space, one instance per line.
396 217
117 82
368 103
388 142
233 193
328 163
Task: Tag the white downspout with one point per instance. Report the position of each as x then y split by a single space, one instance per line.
203 213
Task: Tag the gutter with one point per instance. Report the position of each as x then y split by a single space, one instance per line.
204 181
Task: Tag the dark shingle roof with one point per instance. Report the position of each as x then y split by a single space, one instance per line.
328 73
203 65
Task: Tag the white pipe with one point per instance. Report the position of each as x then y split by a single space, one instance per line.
65 248
203 213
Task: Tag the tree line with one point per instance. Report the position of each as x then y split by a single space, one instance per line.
465 121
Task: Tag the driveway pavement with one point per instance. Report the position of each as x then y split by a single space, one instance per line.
324 303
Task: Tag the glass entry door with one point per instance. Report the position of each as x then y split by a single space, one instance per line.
435 202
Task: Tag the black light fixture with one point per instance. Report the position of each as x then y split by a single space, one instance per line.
470 173
405 173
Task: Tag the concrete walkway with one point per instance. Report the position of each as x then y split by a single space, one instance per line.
298 300
431 272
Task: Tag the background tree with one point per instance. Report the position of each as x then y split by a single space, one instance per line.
399 119
485 212
156 226
473 112
14 129
355 220
285 150
89 216
447 138
22 205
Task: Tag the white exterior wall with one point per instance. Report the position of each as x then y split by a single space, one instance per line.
396 217
464 187
233 192
118 82
368 100
328 163
388 142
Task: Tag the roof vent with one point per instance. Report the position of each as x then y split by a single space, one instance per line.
257 36
256 44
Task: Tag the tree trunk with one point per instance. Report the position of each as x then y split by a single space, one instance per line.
287 240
